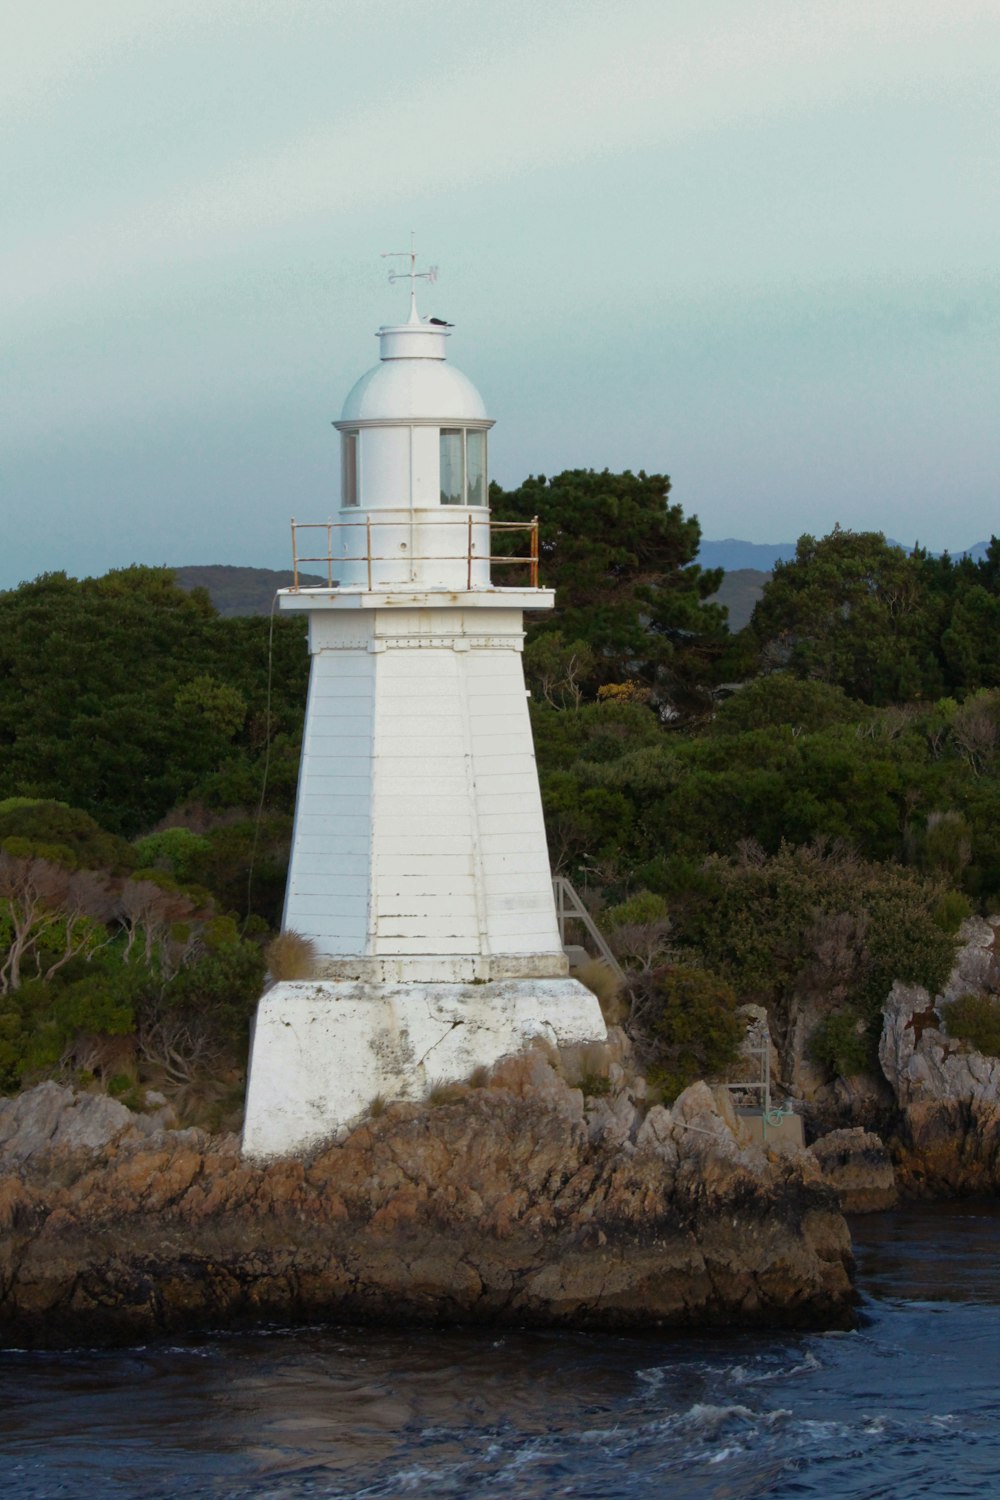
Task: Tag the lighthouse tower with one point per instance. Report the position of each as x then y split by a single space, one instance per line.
419 868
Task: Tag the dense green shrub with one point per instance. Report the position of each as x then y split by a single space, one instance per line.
843 1043
951 911
42 821
782 698
41 1019
685 1023
179 851
219 990
637 929
943 846
975 1019
817 924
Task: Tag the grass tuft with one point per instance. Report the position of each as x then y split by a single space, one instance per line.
292 956
600 980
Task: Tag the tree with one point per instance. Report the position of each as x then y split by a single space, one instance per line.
124 695
47 907
156 920
85 843
969 641
558 669
854 611
621 558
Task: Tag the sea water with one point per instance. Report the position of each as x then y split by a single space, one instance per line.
906 1405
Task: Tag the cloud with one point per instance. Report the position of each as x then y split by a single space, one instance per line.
584 82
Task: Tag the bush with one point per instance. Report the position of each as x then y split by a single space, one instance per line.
782 698
819 922
219 990
45 823
31 1041
685 1025
951 911
178 851
975 1019
945 847
843 1043
637 929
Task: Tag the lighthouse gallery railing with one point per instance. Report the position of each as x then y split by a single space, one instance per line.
368 540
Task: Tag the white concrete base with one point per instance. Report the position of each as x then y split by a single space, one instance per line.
323 1050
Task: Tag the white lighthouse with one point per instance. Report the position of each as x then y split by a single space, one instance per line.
419 867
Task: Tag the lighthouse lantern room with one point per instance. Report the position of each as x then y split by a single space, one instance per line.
419 868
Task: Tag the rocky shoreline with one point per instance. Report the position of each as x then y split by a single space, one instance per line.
517 1202
520 1200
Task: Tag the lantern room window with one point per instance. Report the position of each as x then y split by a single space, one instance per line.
348 468
452 467
463 466
475 468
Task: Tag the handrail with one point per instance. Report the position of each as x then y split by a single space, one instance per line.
468 555
569 908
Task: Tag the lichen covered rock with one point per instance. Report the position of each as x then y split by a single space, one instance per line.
49 1124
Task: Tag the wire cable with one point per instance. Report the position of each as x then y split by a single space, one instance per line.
267 759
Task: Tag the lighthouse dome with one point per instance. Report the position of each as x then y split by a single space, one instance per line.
413 380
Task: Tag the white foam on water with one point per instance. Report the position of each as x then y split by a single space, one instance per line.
413 1480
616 1434
814 1428
703 1414
740 1375
724 1453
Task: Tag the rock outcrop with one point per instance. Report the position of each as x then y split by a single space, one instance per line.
857 1166
947 1137
519 1201
50 1124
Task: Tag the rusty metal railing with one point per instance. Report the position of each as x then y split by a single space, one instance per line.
367 526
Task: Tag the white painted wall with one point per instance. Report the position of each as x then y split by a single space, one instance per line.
419 840
329 876
323 1052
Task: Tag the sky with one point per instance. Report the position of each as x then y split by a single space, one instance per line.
751 244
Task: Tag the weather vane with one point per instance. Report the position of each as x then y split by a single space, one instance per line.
413 274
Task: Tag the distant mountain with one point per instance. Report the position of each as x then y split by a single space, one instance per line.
977 553
240 591
731 553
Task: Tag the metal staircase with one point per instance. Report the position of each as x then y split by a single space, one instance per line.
569 908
